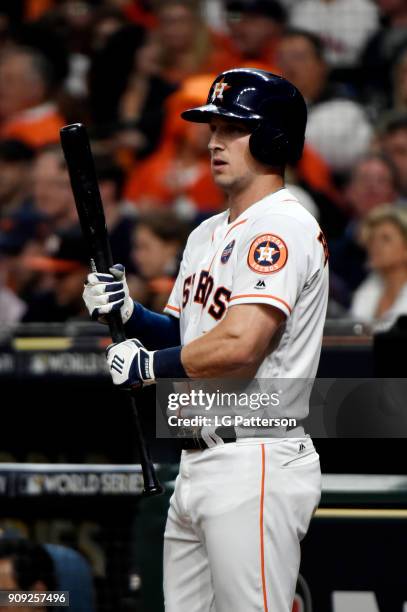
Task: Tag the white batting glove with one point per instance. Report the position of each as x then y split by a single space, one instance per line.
106 293
130 364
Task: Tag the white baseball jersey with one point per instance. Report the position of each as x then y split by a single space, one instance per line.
239 510
274 253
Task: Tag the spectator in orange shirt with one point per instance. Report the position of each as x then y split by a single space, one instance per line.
27 111
53 212
188 46
179 174
33 9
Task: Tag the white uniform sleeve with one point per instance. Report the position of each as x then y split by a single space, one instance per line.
174 304
272 263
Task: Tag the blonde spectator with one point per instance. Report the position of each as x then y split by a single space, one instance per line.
382 297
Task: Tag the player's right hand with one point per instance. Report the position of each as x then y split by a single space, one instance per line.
105 293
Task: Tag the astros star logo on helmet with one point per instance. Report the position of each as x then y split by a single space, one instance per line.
218 90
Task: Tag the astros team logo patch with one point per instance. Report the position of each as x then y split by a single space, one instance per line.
268 253
227 251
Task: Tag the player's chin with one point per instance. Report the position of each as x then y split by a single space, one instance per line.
221 179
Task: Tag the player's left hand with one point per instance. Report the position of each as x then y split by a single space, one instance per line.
130 363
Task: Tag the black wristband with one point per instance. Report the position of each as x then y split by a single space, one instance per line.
167 363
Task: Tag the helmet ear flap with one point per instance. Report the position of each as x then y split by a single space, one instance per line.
269 145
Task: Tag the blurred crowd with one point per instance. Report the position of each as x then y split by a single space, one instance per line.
127 68
29 566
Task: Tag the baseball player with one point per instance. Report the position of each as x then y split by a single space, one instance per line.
249 301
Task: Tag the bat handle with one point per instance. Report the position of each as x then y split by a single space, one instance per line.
152 485
116 327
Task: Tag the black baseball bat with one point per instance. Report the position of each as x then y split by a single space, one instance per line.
85 188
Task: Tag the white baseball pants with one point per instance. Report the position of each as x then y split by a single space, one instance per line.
235 522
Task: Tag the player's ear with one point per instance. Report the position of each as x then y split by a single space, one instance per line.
269 145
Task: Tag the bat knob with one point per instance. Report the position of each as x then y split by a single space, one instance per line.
156 489
72 127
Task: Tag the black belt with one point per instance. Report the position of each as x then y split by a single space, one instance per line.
228 435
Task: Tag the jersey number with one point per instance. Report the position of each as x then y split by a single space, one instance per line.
188 283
